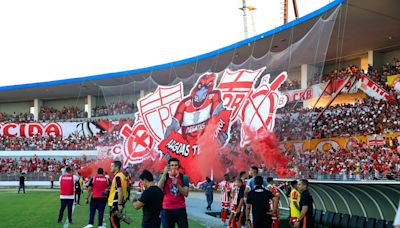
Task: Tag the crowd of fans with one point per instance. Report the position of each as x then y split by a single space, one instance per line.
364 117
74 141
39 165
118 108
16 117
369 116
290 85
358 162
66 113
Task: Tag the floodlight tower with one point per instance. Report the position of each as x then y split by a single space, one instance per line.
244 10
286 10
247 8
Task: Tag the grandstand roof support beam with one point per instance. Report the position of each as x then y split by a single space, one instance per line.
37 104
91 103
375 58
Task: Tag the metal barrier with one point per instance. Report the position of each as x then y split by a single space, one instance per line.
45 176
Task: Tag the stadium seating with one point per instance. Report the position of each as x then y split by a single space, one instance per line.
389 224
380 224
370 223
361 222
318 217
327 219
336 220
353 221
344 222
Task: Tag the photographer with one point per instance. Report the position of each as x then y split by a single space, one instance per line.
117 197
151 201
176 187
97 186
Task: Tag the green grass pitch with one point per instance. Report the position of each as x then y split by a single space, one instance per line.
39 208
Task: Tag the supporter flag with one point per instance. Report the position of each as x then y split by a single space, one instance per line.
376 140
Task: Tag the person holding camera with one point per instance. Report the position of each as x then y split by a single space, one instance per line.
176 187
151 201
117 195
97 187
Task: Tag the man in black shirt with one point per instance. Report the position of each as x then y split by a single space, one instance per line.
22 183
258 201
151 201
306 218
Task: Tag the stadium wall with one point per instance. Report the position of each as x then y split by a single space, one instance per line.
330 67
60 103
17 107
388 56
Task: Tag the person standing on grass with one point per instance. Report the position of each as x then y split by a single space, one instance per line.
176 187
78 189
118 192
22 183
67 181
151 201
306 217
97 187
51 181
208 188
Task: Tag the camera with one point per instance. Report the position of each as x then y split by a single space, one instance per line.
123 217
106 193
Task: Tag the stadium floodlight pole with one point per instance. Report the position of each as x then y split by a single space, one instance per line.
244 9
286 10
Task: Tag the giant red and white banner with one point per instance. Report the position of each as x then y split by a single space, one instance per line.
169 123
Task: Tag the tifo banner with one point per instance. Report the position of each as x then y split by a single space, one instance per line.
63 129
324 145
170 124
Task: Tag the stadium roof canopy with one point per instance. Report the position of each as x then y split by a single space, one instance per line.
362 25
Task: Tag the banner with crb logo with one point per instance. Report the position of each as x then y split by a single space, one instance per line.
217 113
169 123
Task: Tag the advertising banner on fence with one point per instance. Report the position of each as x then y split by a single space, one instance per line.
305 94
63 129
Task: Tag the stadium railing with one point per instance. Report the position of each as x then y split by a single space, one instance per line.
44 176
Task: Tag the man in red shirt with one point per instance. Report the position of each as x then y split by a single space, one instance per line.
67 181
97 186
176 187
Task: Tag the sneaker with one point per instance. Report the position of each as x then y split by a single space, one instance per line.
102 226
59 222
89 226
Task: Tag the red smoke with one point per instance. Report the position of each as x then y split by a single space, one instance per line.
90 169
216 160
